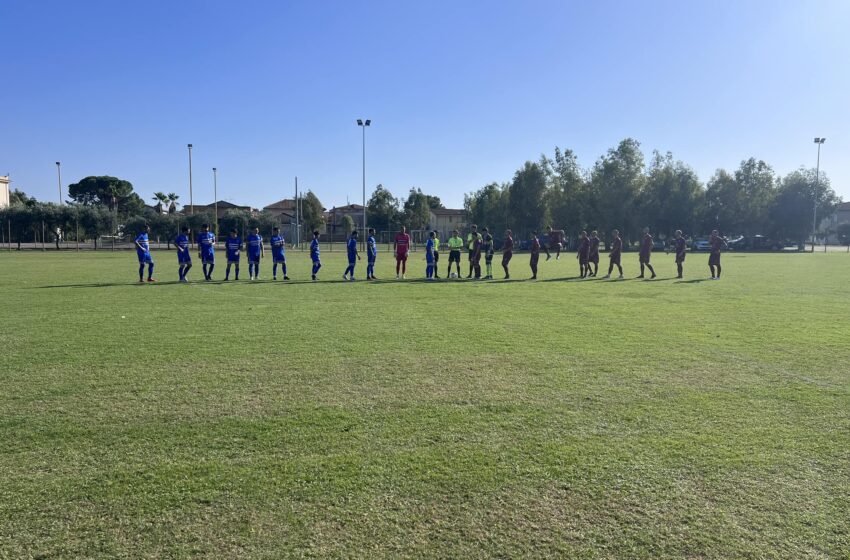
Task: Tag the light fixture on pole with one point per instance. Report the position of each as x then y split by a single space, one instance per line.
191 199
363 124
59 176
819 142
215 197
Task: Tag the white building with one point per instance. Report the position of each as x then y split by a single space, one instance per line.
5 195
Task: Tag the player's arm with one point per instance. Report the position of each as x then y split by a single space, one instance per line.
138 245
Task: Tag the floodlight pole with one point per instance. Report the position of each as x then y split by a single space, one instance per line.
819 142
59 174
215 197
363 124
191 199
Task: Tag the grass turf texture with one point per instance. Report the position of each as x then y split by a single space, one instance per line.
592 419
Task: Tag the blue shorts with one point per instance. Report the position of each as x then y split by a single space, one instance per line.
184 257
317 261
208 259
254 259
233 260
279 259
144 257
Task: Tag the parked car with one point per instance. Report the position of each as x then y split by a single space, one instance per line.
701 244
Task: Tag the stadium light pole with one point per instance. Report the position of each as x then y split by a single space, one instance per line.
215 197
191 199
819 142
59 177
363 124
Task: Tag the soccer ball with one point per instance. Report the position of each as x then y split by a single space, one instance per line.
453 275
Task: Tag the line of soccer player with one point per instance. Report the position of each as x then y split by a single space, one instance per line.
476 245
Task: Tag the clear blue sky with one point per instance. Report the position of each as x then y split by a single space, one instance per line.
461 93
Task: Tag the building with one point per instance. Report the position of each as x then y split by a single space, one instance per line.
829 225
444 220
223 207
283 210
5 194
334 217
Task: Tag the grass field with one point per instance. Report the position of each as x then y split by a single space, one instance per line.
558 418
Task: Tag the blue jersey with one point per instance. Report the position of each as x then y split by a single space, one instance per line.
278 248
314 250
352 249
429 250
233 245
371 248
206 241
254 242
143 247
182 242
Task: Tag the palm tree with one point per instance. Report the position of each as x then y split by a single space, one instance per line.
160 197
172 200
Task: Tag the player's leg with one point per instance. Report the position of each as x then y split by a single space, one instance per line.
150 271
436 264
718 269
141 271
651 270
212 266
227 271
283 269
546 248
679 269
186 271
558 248
642 265
403 266
471 266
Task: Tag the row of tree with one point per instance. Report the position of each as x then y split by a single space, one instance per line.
620 191
387 212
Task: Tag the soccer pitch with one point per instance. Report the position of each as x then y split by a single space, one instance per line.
559 418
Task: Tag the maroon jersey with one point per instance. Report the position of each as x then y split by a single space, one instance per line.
584 248
535 246
594 247
646 245
679 244
402 244
476 247
508 245
616 247
716 244
556 237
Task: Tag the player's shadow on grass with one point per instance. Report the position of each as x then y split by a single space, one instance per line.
694 281
108 284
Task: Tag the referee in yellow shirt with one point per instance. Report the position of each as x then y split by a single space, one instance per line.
455 246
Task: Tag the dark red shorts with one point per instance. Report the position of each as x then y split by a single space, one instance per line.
615 258
594 258
401 257
714 259
643 258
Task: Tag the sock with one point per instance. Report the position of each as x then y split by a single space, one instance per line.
205 269
651 271
212 266
186 270
397 267
227 272
679 268
256 270
180 271
283 268
274 270
718 271
621 269
142 271
150 271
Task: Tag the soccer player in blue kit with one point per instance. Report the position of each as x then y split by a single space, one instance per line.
254 242
206 251
429 256
143 251
371 255
353 256
278 253
233 245
314 253
184 257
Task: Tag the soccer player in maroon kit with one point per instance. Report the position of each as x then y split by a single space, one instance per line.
402 246
583 253
535 254
507 252
716 243
593 256
645 253
680 246
556 237
615 254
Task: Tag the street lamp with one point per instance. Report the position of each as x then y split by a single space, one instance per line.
215 197
191 199
59 174
819 142
363 124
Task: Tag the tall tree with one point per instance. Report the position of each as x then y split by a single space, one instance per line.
616 180
116 194
568 200
417 210
383 210
488 206
791 212
528 201
161 198
313 217
672 197
172 202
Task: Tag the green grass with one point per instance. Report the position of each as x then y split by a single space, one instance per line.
587 419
